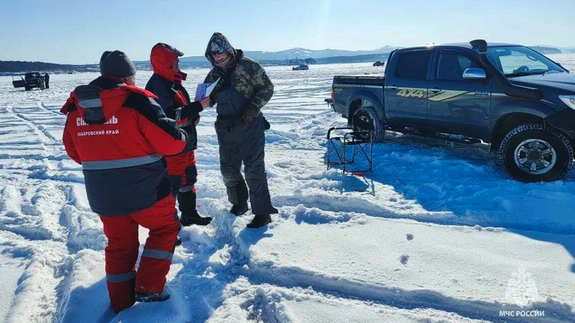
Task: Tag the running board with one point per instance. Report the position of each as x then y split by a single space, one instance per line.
438 135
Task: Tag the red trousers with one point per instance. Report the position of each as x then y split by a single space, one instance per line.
177 164
122 251
183 172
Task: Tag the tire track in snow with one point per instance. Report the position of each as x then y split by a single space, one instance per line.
404 299
37 237
47 228
46 138
50 230
231 240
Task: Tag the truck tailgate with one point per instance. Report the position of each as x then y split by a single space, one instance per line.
368 80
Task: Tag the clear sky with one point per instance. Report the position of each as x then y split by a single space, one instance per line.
77 31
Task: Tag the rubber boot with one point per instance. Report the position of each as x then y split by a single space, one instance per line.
238 196
259 221
187 205
238 210
152 297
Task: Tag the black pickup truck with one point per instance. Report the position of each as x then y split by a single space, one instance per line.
29 81
510 96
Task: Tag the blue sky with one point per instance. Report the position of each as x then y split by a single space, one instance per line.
66 31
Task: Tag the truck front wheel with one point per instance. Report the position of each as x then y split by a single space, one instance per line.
535 153
365 119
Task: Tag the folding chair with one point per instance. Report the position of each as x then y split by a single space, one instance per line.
340 139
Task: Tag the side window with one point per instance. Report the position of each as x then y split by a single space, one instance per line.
413 65
450 66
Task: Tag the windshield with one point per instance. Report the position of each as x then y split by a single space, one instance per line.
521 61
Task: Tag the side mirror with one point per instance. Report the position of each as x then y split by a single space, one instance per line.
473 73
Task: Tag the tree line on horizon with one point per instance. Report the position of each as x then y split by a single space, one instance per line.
23 66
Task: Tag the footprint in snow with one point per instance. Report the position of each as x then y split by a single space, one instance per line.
409 236
404 259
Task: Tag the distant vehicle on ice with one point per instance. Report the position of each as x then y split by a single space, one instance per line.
379 63
29 81
302 67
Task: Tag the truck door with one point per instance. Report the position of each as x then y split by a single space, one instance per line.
457 105
406 83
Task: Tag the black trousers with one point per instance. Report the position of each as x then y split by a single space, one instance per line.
244 145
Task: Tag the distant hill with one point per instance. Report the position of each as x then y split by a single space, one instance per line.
546 49
568 49
302 53
292 57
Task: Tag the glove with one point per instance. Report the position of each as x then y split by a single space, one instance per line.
191 111
249 114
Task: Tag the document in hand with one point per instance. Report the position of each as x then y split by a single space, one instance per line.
205 89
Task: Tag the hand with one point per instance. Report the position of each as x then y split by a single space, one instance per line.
248 116
205 102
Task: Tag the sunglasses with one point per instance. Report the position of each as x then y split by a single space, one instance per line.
218 52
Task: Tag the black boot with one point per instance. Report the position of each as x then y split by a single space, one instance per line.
259 221
238 210
152 297
187 205
188 219
238 195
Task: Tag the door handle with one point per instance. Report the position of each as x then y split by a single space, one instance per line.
435 90
392 87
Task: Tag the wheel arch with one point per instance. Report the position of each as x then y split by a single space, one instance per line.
356 101
508 122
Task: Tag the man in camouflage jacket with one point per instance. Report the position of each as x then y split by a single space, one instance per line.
243 89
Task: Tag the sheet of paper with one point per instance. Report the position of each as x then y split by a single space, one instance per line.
205 89
212 87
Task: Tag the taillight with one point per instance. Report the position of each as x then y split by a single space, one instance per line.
332 95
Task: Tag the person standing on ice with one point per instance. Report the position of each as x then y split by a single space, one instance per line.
242 91
119 135
166 83
47 80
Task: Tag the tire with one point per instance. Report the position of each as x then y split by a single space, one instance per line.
535 153
365 119
27 88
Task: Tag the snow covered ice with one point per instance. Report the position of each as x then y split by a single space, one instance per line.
435 234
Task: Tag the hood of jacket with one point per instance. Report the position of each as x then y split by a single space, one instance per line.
219 41
162 59
100 100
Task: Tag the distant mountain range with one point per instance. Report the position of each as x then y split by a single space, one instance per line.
292 56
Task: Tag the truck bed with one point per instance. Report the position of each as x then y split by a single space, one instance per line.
345 86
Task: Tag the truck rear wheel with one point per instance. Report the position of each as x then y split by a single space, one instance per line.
535 153
365 119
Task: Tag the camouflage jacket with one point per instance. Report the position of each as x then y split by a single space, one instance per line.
247 77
